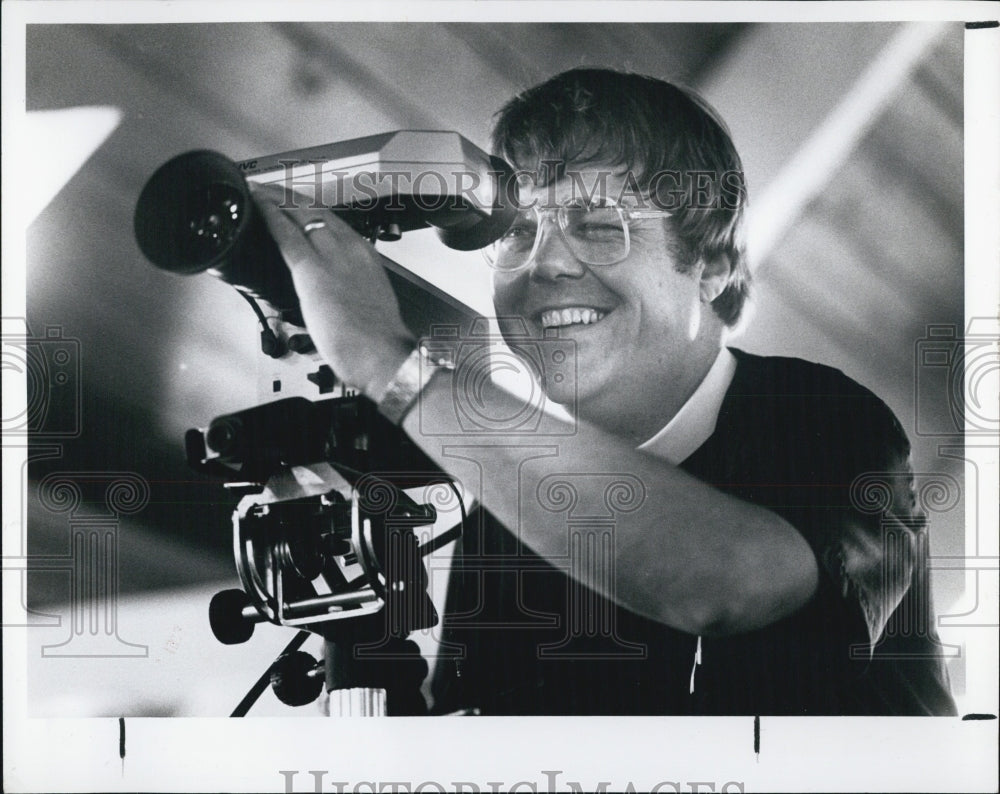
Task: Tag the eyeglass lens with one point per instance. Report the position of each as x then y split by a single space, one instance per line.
595 235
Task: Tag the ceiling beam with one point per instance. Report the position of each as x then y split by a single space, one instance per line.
823 151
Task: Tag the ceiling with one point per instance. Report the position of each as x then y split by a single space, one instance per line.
866 265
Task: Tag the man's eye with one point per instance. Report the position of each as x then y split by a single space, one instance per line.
597 230
520 231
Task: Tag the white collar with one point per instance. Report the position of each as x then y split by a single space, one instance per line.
695 421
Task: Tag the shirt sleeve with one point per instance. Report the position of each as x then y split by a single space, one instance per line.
872 542
863 520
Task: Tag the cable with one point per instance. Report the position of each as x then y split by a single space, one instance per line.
258 688
454 533
270 344
255 306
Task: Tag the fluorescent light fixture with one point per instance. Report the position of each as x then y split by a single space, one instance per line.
64 140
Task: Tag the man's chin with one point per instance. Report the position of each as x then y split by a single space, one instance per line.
572 391
562 396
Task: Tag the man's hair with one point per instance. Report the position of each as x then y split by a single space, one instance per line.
649 127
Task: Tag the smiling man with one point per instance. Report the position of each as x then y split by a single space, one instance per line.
607 276
691 545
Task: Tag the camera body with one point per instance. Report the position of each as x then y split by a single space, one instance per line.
324 532
396 182
196 212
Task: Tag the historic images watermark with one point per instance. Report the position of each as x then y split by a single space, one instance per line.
41 410
955 385
45 379
434 190
591 504
320 783
481 358
582 508
963 366
48 365
94 565
902 501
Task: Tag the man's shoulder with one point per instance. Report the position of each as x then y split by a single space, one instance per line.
820 396
794 376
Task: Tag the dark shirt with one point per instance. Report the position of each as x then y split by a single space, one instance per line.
801 439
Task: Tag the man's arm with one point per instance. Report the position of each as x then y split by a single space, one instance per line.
690 557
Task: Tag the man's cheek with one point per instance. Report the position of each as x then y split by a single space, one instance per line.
508 297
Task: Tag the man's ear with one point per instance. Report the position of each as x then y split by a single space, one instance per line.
714 277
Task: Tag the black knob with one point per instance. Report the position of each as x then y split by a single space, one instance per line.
270 344
296 678
323 378
301 343
227 616
390 232
223 436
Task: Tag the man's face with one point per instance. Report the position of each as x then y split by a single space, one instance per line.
641 332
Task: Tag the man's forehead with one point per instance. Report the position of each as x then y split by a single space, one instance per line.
579 183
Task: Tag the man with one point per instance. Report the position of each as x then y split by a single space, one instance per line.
740 576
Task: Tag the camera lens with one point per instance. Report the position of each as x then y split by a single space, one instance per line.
193 214
196 213
215 214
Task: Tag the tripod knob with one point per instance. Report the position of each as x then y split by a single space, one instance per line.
296 678
232 617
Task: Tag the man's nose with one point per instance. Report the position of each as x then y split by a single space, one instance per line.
554 258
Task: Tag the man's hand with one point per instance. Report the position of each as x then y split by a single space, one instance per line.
347 301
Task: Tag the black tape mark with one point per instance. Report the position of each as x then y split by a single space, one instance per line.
978 717
990 23
121 740
756 735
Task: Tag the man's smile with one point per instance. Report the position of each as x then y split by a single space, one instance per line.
570 316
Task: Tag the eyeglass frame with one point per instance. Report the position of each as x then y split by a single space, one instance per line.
625 214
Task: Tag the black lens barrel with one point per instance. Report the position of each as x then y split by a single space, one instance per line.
196 213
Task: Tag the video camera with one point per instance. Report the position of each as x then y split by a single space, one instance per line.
323 534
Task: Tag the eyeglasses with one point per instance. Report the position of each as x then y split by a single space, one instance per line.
596 234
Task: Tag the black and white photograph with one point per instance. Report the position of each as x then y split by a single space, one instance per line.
497 397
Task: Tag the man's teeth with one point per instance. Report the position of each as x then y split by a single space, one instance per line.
554 318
